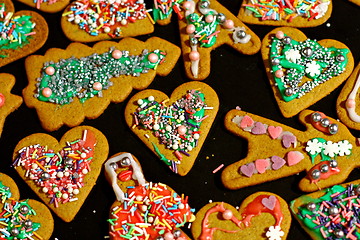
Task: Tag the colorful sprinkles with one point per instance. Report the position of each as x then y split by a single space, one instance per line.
177 126
291 61
164 8
15 31
151 211
335 215
286 9
86 77
105 16
14 218
59 175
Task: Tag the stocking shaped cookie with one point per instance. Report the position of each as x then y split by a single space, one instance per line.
89 21
206 26
331 213
174 128
326 151
285 13
22 32
347 105
50 6
62 173
8 102
22 219
303 71
81 81
145 210
219 220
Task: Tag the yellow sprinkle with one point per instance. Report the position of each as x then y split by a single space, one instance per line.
150 18
66 13
41 166
2 223
167 224
37 235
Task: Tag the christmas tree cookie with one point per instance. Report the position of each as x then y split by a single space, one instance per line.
81 81
22 219
143 210
303 71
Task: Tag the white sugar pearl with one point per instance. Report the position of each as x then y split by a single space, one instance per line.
90 21
70 190
151 98
168 128
140 101
34 166
189 148
139 198
156 127
150 219
84 171
182 117
106 29
66 174
143 208
181 206
45 189
55 189
83 155
76 191
77 21
60 174
123 22
175 146
47 159
65 196
196 136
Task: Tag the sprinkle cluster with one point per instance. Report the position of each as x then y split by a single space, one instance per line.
286 9
163 9
14 31
105 16
86 77
177 126
291 61
39 2
335 215
150 212
60 175
14 218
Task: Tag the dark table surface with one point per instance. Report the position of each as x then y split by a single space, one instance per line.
239 80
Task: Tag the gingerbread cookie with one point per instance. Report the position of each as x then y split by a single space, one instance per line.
143 209
286 13
174 128
303 71
346 103
62 173
330 213
22 219
219 220
81 81
102 20
206 26
357 2
50 6
8 102
326 151
23 32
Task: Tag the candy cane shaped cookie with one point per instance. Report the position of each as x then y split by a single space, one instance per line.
326 151
144 210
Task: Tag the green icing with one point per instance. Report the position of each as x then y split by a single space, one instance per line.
161 156
163 9
306 56
75 77
14 30
307 216
5 192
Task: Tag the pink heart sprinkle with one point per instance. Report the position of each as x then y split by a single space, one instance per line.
294 157
261 165
274 132
246 121
278 162
258 129
269 202
248 170
288 139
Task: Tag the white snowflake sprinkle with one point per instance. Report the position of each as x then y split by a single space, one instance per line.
344 148
292 55
313 146
331 149
274 233
312 68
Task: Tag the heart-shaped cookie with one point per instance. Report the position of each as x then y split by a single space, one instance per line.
24 219
144 208
330 213
347 102
8 102
302 71
328 158
62 173
262 215
176 128
126 19
357 2
206 26
119 67
28 27
50 6
286 13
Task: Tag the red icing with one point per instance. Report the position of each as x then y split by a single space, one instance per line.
332 171
125 176
2 99
254 208
145 202
318 126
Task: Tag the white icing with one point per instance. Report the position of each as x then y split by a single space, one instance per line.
110 172
236 39
321 9
195 64
351 110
